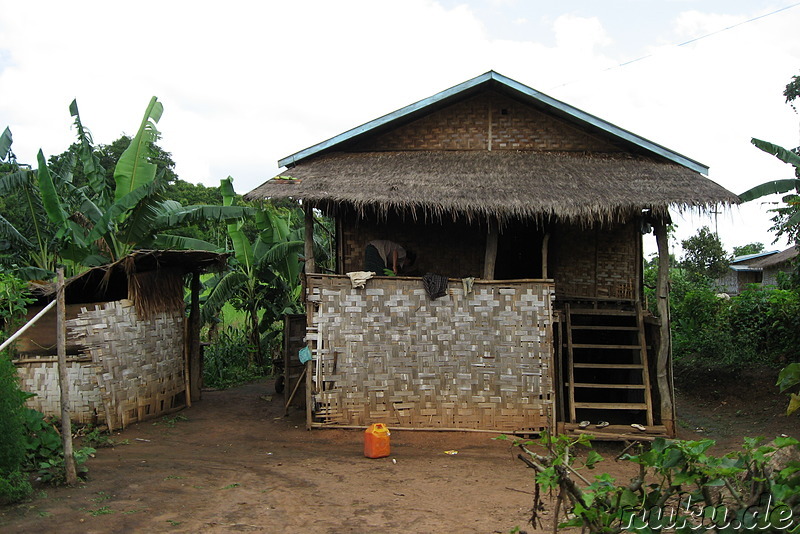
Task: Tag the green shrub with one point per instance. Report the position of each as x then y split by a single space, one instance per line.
14 487
12 436
226 361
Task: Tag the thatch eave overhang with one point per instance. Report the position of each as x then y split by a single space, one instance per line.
579 187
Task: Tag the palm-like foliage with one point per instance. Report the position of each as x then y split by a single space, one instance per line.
265 274
103 220
787 219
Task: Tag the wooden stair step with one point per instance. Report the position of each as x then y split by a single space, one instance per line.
605 346
605 328
608 386
611 405
609 313
607 365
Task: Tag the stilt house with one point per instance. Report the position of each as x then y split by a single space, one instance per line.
535 212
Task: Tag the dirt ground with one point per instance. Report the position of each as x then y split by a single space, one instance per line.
233 462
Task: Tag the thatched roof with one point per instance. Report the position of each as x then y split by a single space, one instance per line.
502 184
153 279
776 259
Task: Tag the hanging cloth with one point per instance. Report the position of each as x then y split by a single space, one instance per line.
435 285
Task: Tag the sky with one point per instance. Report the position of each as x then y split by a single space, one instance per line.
247 83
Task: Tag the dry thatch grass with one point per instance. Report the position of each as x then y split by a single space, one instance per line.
572 186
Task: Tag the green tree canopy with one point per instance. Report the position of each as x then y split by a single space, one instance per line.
750 248
704 255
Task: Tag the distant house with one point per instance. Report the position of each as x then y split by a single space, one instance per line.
761 268
743 272
772 265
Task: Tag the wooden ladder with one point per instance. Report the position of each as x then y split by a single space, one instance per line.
610 342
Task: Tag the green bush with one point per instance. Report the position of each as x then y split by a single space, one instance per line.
226 361
14 487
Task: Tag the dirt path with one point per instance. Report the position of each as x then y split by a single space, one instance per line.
233 463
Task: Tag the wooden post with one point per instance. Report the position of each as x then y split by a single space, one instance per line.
545 250
309 397
63 381
665 346
311 266
491 250
195 363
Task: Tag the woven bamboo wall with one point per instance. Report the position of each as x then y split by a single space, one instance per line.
135 369
596 262
40 375
442 247
387 353
471 123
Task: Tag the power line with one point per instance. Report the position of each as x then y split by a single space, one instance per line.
694 40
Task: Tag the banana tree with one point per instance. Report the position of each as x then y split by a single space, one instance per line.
264 279
787 219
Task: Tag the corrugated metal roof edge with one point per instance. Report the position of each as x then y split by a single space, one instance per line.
548 101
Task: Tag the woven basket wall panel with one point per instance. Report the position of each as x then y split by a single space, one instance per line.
142 369
444 247
471 123
480 360
595 262
41 378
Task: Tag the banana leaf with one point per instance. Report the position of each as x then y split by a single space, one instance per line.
117 210
242 249
33 273
134 168
5 144
773 187
200 213
95 174
786 156
179 242
225 289
10 234
50 199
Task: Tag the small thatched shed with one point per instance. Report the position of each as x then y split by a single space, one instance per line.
131 352
534 211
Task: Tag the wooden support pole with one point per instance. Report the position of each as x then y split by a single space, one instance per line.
195 361
309 397
665 346
63 381
311 266
545 250
491 250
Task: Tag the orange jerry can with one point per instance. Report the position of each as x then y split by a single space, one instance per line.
376 441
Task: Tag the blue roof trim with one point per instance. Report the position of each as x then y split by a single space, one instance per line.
746 257
557 105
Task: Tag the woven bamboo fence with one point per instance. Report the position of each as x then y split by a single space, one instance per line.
478 359
132 368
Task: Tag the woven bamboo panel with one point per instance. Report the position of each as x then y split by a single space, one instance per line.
41 378
471 123
387 353
596 262
142 371
135 371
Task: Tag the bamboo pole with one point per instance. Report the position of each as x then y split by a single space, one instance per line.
63 382
545 250
195 361
30 323
491 250
664 347
311 266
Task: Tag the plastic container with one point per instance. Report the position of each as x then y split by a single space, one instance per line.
376 441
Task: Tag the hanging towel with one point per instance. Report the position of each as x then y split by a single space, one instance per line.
435 285
467 283
359 279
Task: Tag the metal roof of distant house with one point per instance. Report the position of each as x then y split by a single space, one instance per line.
748 257
514 88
